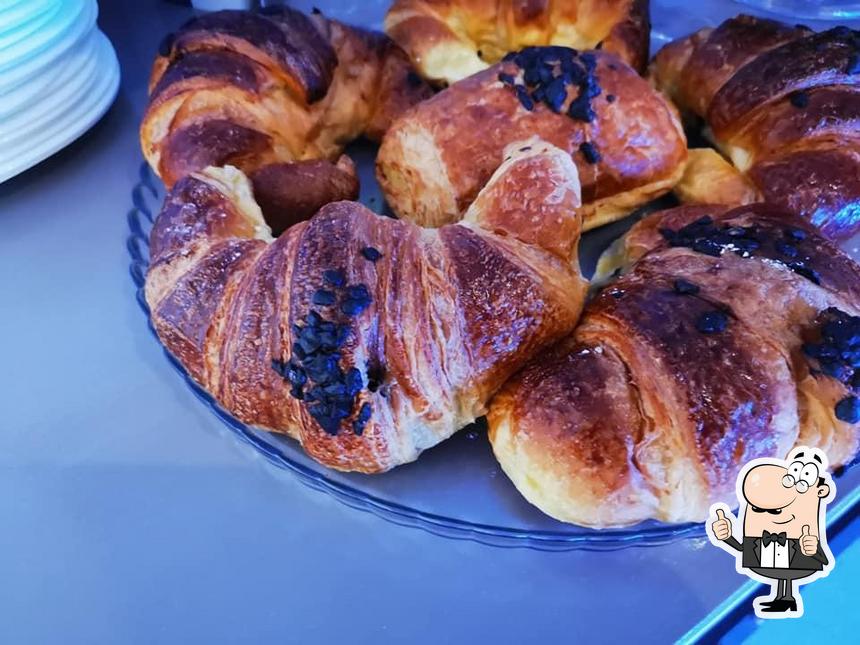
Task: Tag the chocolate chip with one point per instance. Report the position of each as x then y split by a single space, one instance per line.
745 245
278 366
786 249
848 409
296 375
837 370
548 72
371 253
298 351
712 322
799 99
323 298
375 377
707 247
297 393
807 272
334 277
610 98
352 306
590 152
362 418
555 94
525 99
353 381
685 288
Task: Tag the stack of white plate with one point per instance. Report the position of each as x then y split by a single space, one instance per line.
58 75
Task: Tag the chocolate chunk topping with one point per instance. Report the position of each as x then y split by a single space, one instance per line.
547 75
704 236
357 300
314 372
525 99
786 249
323 298
590 152
848 409
807 272
799 99
334 277
362 418
837 355
371 253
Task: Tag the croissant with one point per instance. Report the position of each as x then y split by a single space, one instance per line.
782 103
625 138
366 338
734 335
277 95
449 40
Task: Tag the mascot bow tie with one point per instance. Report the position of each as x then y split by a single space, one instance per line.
767 537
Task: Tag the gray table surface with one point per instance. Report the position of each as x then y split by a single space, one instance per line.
127 513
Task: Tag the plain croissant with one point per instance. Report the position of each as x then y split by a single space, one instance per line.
366 338
449 40
733 336
782 103
276 94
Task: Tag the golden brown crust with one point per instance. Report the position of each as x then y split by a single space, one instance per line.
630 39
286 42
449 40
292 192
435 159
366 338
718 53
253 90
782 103
815 60
819 183
577 431
691 401
710 179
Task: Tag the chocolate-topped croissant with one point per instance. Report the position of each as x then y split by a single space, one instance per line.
366 338
276 94
625 138
734 335
782 103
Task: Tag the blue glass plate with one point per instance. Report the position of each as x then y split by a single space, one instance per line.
455 489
